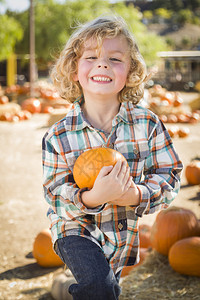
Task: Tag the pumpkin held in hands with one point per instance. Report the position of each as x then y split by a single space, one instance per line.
184 256
89 164
43 250
171 225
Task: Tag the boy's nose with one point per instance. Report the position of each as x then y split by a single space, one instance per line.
102 64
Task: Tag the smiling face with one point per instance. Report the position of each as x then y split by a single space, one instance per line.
103 71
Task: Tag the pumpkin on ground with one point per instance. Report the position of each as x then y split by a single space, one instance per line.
183 132
184 256
192 172
33 105
3 99
127 269
145 236
43 250
60 286
89 164
171 225
173 131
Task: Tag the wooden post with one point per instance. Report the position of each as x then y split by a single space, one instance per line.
32 48
11 70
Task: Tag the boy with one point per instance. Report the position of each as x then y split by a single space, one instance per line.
95 232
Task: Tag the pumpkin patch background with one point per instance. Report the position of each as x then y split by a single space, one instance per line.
23 216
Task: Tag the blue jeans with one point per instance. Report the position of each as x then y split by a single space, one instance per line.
87 262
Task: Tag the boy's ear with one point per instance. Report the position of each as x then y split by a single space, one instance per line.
75 77
126 84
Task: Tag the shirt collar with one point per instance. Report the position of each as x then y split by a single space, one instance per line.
75 119
126 114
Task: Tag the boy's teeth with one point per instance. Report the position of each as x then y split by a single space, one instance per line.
97 78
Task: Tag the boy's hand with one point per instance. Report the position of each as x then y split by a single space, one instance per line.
113 182
110 184
131 197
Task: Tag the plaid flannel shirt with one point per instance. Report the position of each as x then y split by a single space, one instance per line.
154 165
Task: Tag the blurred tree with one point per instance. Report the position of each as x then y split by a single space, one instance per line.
185 43
195 20
54 23
184 16
193 4
170 42
10 33
163 13
149 43
148 14
168 4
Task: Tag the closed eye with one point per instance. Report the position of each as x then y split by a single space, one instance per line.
91 57
115 59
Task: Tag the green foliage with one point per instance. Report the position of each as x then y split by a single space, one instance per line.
55 22
179 11
196 20
10 33
168 4
148 14
170 42
185 42
149 43
193 4
163 13
150 46
184 16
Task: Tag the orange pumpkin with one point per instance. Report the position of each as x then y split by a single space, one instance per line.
184 256
145 235
43 250
163 118
183 118
27 114
198 228
33 105
89 164
173 131
171 225
183 132
127 269
194 118
168 96
178 101
171 118
6 117
192 172
47 109
4 99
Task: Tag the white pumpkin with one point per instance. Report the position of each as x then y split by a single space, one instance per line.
60 286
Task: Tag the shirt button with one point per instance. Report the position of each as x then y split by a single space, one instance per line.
120 226
104 146
135 151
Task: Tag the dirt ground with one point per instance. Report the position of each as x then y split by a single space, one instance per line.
23 209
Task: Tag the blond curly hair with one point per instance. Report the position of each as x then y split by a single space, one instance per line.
63 71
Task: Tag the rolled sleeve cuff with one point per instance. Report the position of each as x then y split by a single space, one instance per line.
79 204
144 200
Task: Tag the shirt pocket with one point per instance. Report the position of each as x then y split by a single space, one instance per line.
135 154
